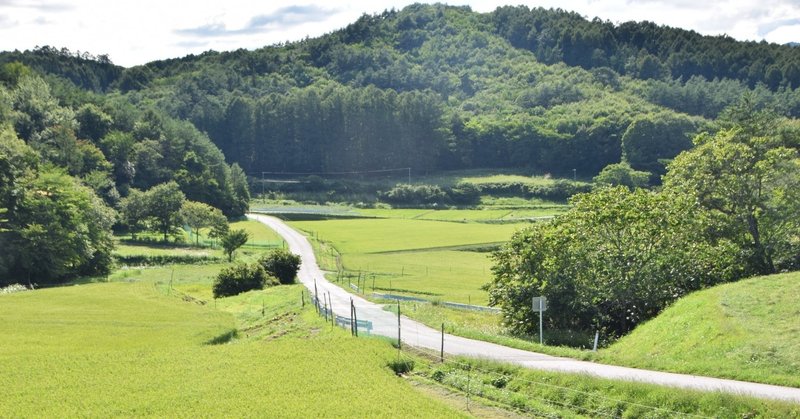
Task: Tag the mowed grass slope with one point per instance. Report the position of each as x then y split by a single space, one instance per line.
748 330
104 350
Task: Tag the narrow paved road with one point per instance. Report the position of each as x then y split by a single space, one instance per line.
419 335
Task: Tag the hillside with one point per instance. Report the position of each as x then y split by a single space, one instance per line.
435 87
747 330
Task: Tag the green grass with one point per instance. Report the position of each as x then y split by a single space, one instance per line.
260 235
525 180
410 256
485 215
547 394
483 176
748 330
136 249
122 349
449 275
387 235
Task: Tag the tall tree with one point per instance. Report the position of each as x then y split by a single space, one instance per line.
164 204
61 229
198 215
752 186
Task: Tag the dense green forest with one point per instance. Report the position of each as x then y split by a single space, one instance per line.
69 167
437 87
430 87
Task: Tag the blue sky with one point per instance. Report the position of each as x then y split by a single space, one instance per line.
136 32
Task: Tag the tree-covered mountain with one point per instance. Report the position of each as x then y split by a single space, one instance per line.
438 87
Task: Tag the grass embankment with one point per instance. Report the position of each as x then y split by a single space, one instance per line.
748 330
546 394
128 350
414 257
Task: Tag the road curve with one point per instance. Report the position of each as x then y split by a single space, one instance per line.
419 335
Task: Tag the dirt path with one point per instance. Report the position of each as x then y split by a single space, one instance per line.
419 335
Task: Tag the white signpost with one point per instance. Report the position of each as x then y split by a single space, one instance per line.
540 304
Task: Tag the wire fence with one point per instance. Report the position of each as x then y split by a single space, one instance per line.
476 379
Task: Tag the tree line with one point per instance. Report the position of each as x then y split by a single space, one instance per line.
440 87
728 209
71 165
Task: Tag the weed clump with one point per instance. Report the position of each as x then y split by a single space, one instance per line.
401 367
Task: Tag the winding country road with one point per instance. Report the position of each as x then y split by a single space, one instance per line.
419 335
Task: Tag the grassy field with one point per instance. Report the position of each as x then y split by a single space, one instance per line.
412 256
118 349
484 176
748 330
485 215
391 235
449 275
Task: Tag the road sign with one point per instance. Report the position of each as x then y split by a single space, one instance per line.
539 304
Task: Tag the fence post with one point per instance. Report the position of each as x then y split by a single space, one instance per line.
355 320
325 299
441 353
399 342
333 315
352 307
316 295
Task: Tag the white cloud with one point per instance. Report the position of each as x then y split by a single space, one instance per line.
135 32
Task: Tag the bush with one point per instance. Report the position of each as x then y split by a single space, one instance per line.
281 264
427 195
240 278
465 193
401 366
560 190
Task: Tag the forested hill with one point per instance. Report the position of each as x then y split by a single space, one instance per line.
438 87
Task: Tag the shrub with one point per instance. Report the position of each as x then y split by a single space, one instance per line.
240 278
12 289
428 195
401 366
438 376
465 193
281 264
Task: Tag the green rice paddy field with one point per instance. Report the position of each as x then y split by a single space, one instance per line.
127 349
411 256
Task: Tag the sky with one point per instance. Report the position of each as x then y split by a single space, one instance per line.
140 31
